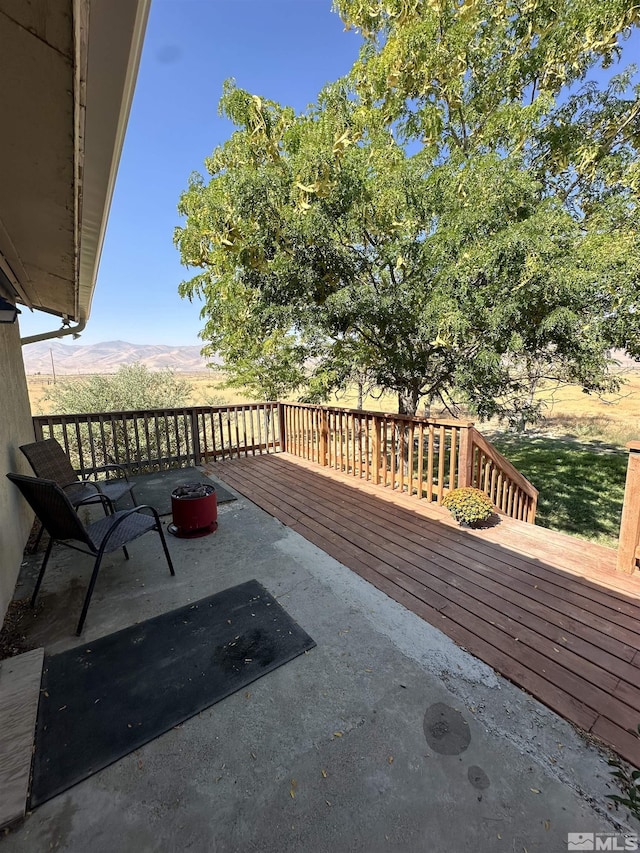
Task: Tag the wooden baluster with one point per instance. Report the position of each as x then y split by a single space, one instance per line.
303 432
430 462
252 411
383 447
229 435
478 472
295 419
282 432
410 459
147 451
324 436
347 443
486 475
394 453
175 425
103 442
375 448
492 487
270 428
264 441
127 448
441 461
195 436
367 443
157 437
245 443
499 490
420 460
453 457
354 444
79 446
402 443
236 424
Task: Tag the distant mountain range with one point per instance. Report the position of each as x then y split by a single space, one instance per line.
108 357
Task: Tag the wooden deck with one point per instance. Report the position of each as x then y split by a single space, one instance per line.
545 610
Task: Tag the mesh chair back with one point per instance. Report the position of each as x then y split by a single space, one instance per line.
53 508
49 461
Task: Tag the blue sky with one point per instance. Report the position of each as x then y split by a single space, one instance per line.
285 50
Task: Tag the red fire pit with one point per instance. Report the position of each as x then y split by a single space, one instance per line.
195 510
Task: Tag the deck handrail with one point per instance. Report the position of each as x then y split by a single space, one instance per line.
491 472
155 439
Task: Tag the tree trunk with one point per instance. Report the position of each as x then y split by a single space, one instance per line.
407 405
408 401
360 395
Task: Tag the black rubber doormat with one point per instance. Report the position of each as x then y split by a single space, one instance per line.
101 701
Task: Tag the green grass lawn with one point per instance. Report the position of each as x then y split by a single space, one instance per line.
581 485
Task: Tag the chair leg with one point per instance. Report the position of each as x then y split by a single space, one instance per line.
87 598
38 538
166 550
126 553
42 570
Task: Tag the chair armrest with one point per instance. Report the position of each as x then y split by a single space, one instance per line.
114 466
82 483
103 499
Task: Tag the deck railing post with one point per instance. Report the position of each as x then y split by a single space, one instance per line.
630 523
282 426
465 457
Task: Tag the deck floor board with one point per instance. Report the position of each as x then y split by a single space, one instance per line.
546 611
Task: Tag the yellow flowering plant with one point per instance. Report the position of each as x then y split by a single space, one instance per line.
468 505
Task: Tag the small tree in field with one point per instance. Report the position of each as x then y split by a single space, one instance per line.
134 387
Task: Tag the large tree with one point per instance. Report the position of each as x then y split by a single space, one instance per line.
435 222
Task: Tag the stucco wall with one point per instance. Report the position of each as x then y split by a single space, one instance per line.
15 429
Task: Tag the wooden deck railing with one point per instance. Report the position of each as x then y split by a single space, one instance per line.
155 439
424 457
512 493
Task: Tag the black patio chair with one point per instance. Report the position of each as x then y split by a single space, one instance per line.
50 462
61 521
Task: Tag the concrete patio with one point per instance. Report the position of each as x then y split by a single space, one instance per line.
334 751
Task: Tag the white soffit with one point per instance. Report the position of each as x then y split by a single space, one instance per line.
67 74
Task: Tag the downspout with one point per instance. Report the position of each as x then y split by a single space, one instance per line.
56 333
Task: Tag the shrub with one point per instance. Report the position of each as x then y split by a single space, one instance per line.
134 386
468 505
